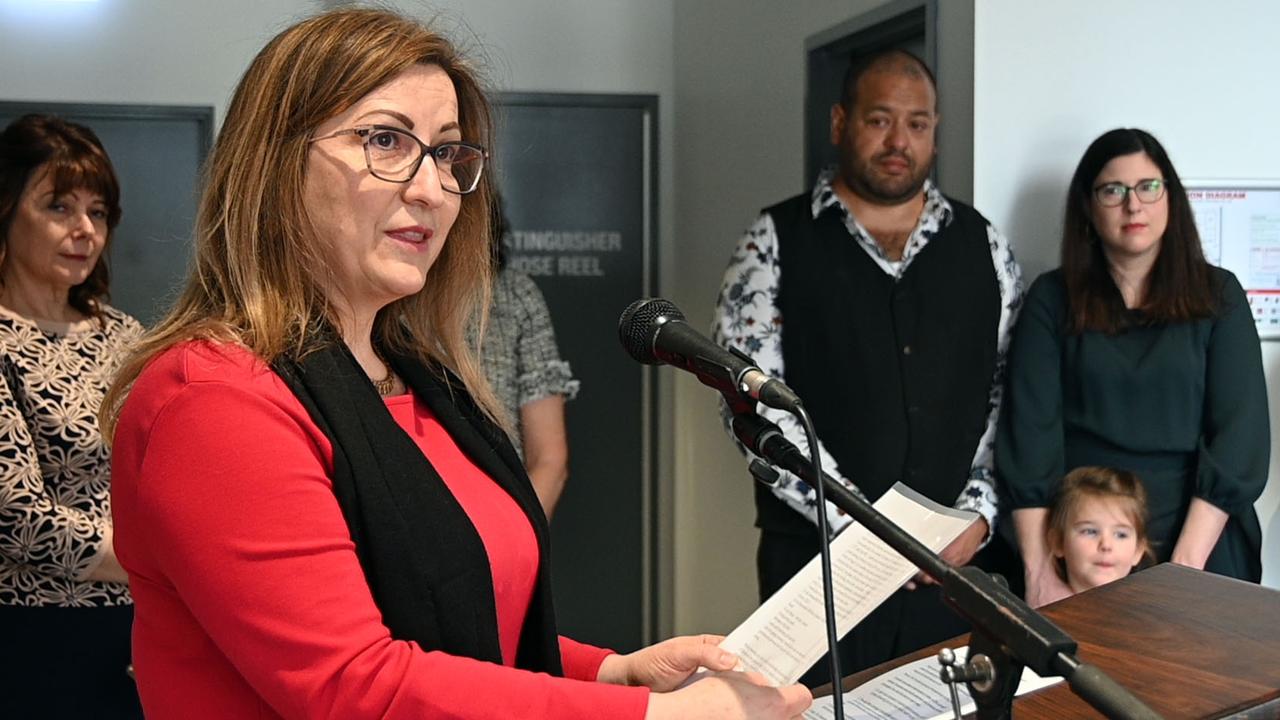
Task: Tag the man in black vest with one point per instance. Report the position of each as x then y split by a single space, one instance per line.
887 306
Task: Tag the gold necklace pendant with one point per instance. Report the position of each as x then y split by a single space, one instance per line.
386 385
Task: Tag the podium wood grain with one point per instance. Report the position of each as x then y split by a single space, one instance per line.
1190 644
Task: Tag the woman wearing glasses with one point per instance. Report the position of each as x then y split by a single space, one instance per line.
1137 354
316 509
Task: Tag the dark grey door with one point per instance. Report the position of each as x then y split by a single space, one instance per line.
157 153
576 173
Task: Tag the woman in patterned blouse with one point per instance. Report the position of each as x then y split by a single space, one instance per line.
65 609
522 362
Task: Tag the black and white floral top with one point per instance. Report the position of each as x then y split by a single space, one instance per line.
747 318
519 352
55 471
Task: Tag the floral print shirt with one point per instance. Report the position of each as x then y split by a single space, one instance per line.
747 317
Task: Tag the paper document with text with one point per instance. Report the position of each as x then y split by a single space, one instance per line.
914 691
786 635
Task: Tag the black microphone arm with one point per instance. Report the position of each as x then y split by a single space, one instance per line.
1006 629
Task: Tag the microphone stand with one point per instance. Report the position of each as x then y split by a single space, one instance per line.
739 405
1007 633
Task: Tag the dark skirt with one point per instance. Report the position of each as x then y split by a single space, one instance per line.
66 662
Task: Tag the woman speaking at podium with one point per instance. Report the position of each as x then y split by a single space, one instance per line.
317 509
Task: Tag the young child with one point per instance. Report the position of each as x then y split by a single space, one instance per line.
1097 527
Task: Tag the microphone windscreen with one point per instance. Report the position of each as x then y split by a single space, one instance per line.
639 323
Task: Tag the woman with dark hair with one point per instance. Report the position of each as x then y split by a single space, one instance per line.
65 609
318 513
1137 354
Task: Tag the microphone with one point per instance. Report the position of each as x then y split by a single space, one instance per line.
653 331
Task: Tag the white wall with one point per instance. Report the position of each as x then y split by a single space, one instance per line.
135 51
1050 77
606 46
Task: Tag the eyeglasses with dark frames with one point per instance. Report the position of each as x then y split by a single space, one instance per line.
1115 194
394 155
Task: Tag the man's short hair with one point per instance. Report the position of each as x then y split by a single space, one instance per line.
890 59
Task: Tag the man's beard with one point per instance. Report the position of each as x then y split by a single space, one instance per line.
866 181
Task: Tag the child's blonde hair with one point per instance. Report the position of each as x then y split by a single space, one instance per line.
1097 482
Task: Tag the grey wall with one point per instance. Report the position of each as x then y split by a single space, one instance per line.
135 51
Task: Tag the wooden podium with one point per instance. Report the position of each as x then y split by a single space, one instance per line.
1189 644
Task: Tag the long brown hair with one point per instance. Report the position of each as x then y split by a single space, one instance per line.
1181 286
257 279
73 157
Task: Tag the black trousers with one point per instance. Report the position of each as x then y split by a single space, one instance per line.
66 662
907 621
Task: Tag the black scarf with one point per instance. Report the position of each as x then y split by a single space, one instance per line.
423 559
